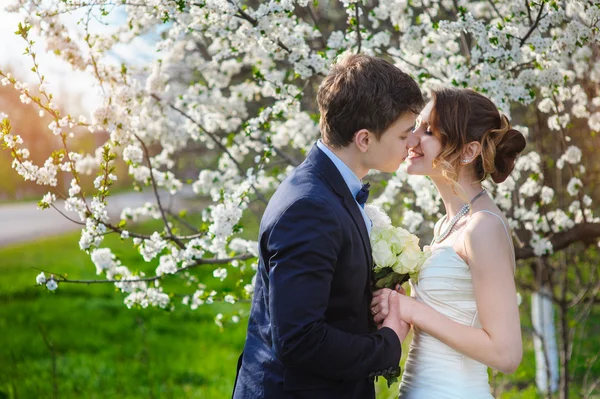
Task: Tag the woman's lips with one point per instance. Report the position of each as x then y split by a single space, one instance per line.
414 155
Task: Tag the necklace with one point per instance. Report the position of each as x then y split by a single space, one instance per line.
464 210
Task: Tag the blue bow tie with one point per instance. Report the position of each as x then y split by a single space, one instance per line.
363 195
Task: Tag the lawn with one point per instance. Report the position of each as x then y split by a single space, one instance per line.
82 342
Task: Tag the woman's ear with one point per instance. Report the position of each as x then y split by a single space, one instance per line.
362 140
470 152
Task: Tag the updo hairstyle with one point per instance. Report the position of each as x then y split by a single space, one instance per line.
460 116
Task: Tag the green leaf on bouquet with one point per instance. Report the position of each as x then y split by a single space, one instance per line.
390 280
387 281
381 273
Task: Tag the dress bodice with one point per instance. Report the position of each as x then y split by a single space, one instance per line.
433 369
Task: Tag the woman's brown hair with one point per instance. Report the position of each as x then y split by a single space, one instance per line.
460 116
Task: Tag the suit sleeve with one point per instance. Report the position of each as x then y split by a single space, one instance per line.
304 244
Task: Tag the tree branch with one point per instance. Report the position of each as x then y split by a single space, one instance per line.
212 261
184 222
569 165
582 232
495 9
217 142
155 188
243 15
401 58
528 11
535 24
289 158
463 37
65 216
314 18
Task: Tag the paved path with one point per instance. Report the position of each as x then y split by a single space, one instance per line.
23 222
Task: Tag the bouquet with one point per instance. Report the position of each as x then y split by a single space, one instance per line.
396 258
396 252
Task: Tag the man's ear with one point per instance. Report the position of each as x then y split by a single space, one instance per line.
363 139
470 152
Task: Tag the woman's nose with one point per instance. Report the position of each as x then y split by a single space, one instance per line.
413 140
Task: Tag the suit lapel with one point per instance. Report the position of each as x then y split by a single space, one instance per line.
328 169
359 220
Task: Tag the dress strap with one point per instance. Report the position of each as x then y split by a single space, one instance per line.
510 242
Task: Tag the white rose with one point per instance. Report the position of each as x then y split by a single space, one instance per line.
409 260
400 239
379 218
383 255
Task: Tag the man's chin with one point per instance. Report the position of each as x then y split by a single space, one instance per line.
390 169
393 168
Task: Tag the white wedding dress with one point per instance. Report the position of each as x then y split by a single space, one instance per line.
433 370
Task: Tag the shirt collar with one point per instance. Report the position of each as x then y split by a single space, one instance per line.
352 181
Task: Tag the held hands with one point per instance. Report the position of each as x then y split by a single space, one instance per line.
392 309
380 305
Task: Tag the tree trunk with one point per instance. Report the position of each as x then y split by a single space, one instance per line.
544 341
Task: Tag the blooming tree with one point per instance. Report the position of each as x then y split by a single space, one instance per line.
238 79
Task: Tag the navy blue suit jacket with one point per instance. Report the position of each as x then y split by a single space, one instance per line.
310 332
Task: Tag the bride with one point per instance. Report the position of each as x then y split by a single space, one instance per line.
464 305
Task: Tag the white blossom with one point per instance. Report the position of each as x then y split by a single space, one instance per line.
541 245
51 284
167 265
594 122
572 156
48 199
150 297
133 153
546 195
412 220
40 279
574 185
220 273
226 111
150 248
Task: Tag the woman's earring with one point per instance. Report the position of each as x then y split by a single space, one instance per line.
465 161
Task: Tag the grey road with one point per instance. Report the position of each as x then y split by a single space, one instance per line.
23 222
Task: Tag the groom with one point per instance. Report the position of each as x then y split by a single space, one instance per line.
311 334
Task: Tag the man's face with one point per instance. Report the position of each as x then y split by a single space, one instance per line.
387 153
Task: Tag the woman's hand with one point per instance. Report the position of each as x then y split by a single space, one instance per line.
407 307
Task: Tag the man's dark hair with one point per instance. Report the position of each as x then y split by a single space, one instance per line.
363 92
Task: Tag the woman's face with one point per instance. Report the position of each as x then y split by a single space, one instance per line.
423 146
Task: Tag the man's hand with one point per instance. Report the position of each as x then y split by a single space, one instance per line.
393 320
379 304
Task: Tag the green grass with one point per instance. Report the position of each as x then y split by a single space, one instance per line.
97 348
82 342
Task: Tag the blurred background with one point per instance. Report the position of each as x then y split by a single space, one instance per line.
83 342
